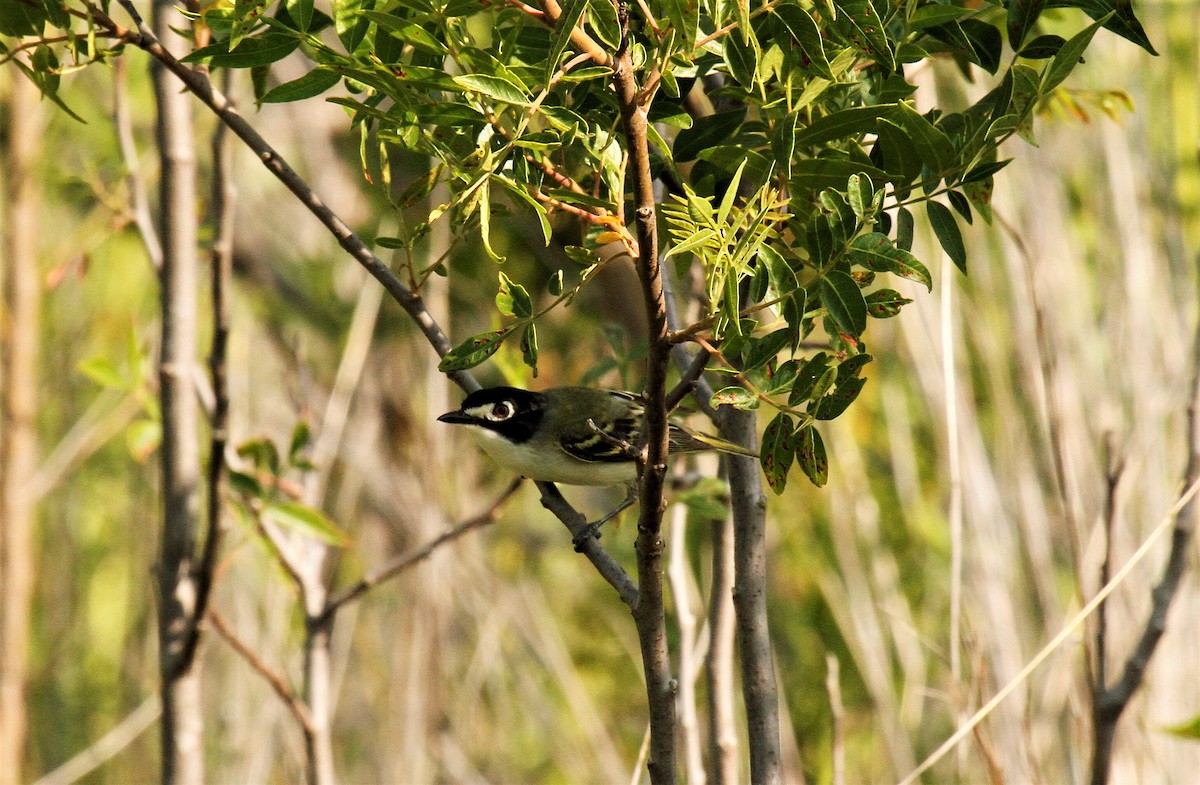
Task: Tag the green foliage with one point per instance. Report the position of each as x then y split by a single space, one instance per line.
785 196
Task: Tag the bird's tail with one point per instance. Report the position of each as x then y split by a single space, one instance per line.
687 440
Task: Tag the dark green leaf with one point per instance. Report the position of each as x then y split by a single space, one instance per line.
830 172
707 132
311 84
841 124
778 451
807 376
760 351
1042 47
900 157
946 229
846 388
935 14
603 19
904 229
307 521
1021 16
885 303
779 272
555 284
986 41
979 192
741 59
876 252
933 147
1119 15
960 204
301 12
985 171
245 484
844 301
862 26
19 18
1068 56
251 52
529 347
810 453
802 27
472 351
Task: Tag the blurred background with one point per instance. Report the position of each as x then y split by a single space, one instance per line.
995 411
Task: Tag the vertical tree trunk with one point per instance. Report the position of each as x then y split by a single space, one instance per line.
18 410
182 721
723 738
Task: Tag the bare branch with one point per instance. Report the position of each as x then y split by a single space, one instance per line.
1110 702
404 561
123 121
296 706
605 564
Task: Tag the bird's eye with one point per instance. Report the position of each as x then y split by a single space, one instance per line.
501 411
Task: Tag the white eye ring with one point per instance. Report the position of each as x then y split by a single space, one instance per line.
500 411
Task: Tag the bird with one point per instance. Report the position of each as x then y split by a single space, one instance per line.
572 436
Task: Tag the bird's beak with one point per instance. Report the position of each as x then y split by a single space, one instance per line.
454 418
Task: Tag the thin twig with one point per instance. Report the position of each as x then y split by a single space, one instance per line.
687 383
296 706
107 746
123 121
404 561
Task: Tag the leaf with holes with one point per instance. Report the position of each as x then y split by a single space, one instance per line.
885 303
472 351
778 451
876 252
810 454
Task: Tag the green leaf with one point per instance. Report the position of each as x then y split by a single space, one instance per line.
860 192
306 520
933 147
572 12
301 12
555 285
262 453
1068 56
876 252
1043 47
684 16
496 87
20 19
1188 729
311 84
301 436
1022 14
737 397
779 273
245 484
529 347
885 303
960 205
513 300
807 376
844 301
778 451
904 229
803 28
846 388
900 157
760 351
741 59
522 195
707 132
251 52
946 229
841 124
830 172
810 453
862 26
349 22
104 372
1119 14
472 351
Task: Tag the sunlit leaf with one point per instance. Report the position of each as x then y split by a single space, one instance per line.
844 301
876 252
737 397
885 303
306 520
472 351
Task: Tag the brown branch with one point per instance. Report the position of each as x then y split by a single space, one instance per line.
576 523
404 561
579 37
648 613
1109 702
688 382
296 706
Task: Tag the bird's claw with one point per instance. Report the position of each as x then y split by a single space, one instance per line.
589 532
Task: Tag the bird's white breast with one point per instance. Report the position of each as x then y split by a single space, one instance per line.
550 464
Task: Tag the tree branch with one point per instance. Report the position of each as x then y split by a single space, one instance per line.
605 564
296 706
1110 702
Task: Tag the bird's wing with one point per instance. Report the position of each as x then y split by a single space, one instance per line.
609 437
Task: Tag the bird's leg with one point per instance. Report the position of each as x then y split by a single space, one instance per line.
592 530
